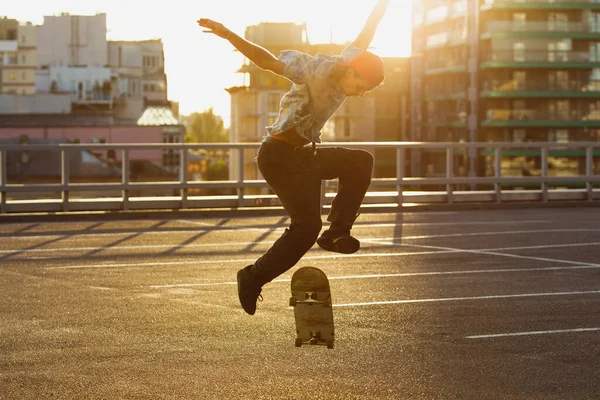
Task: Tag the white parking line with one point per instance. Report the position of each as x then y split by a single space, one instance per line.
241 261
399 275
495 253
379 241
435 250
448 299
500 335
216 228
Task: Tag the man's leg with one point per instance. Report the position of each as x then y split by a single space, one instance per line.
294 177
354 169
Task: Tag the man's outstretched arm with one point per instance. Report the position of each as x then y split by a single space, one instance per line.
366 35
258 55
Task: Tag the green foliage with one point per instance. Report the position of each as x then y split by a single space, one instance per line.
206 127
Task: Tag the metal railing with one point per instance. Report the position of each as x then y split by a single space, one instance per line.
541 56
539 85
536 115
541 27
482 189
492 3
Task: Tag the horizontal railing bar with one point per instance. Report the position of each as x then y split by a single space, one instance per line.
254 184
410 145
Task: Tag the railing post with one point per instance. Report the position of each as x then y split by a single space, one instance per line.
323 196
498 173
449 172
64 177
545 152
240 181
125 179
589 172
400 173
3 180
183 176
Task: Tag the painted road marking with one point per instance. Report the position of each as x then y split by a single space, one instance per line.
434 250
501 335
450 299
217 228
399 275
379 241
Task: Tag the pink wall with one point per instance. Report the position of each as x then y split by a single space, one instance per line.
112 134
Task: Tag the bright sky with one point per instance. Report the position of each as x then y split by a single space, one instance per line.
200 66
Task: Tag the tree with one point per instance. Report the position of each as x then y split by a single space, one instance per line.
206 127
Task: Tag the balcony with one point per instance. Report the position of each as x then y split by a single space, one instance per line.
540 4
541 88
442 95
8 46
445 66
451 120
540 59
503 118
547 29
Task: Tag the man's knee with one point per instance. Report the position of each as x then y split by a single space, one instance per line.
365 159
307 231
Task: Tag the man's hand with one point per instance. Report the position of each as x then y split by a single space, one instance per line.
215 28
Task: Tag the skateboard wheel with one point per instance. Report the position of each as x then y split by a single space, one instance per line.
298 342
293 301
330 344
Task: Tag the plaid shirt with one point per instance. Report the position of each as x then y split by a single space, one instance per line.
313 98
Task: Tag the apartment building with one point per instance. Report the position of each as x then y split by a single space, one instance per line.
17 57
140 66
75 40
508 71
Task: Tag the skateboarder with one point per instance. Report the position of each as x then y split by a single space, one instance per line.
291 163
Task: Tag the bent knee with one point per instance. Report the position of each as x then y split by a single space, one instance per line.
364 159
308 230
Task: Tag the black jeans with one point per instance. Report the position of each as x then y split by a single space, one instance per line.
295 175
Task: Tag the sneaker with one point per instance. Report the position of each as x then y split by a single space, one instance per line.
248 291
341 242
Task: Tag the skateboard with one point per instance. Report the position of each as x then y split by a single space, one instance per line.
311 299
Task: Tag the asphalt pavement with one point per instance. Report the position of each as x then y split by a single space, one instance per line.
488 304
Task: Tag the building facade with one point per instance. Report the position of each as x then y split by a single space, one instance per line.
509 71
140 66
18 57
75 40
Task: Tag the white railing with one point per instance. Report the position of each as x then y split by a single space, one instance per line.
474 189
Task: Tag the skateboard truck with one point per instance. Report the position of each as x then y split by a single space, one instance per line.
315 340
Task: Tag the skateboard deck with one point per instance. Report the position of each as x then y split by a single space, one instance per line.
313 312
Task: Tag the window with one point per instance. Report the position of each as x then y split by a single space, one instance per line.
558 22
518 135
519 52
273 101
12 76
519 21
558 80
559 109
519 78
437 14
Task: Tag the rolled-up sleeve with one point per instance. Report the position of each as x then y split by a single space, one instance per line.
297 65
